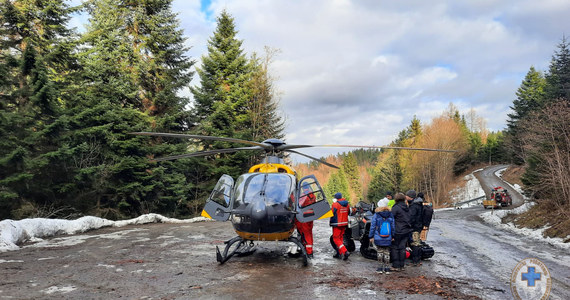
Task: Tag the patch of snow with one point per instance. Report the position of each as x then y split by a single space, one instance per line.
10 261
471 190
14 233
499 172
106 266
55 289
47 258
445 208
495 218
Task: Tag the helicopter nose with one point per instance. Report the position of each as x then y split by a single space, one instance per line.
258 210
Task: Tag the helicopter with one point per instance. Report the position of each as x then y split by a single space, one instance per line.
264 203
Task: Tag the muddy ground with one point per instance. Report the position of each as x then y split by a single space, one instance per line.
172 261
167 261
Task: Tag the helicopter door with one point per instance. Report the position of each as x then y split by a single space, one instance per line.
218 206
311 201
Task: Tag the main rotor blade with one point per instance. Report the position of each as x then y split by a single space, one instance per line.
314 158
204 153
384 147
287 147
202 137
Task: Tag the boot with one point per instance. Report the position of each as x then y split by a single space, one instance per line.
416 255
386 264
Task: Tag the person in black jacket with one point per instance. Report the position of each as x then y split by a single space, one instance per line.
402 231
427 216
416 221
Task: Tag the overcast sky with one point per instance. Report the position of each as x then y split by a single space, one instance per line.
356 72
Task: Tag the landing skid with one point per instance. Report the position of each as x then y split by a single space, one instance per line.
303 250
244 249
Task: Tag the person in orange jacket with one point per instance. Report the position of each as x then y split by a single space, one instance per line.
306 229
339 222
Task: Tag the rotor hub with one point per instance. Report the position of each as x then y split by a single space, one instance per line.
274 142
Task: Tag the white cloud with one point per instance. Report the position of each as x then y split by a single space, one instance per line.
346 67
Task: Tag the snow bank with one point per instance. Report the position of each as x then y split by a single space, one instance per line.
495 218
471 190
13 233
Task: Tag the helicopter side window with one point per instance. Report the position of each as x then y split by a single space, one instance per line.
309 193
222 191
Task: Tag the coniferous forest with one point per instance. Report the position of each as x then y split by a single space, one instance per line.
69 99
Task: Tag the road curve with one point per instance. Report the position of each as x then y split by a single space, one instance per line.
489 180
485 256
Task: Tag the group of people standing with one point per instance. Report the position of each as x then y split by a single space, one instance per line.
397 220
407 215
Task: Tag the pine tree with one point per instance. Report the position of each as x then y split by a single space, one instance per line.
337 184
530 96
224 100
387 175
35 60
223 77
350 170
134 68
558 76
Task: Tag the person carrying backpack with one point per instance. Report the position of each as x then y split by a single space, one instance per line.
381 234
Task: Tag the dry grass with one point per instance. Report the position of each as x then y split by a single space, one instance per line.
544 213
513 174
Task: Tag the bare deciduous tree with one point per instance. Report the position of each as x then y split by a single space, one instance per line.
546 141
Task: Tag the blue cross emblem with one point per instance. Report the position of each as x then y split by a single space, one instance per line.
530 276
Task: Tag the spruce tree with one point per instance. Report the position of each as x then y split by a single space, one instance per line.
558 76
35 60
134 69
337 184
223 101
387 175
223 76
352 174
530 98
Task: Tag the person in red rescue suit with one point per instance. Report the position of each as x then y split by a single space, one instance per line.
306 229
339 222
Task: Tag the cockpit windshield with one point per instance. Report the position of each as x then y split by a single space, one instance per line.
274 188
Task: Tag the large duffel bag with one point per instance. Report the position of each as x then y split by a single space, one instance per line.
427 251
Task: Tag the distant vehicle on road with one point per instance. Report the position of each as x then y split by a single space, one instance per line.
499 198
